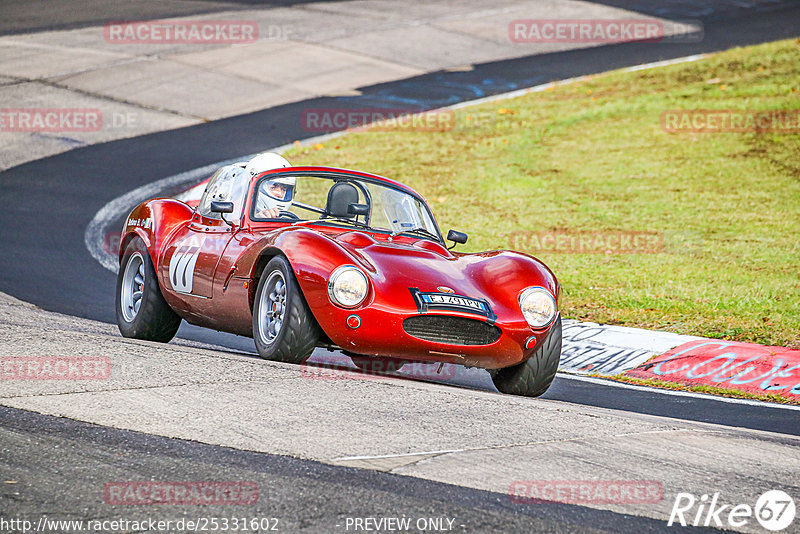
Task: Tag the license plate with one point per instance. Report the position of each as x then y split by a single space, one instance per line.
442 301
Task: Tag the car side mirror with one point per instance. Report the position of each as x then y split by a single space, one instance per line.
456 238
221 207
358 209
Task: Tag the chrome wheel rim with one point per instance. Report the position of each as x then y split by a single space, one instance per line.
132 287
272 307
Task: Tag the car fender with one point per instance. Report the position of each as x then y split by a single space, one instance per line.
312 257
499 269
154 221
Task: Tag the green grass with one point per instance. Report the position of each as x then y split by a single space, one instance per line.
709 390
592 157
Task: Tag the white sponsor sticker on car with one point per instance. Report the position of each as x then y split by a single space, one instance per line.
182 264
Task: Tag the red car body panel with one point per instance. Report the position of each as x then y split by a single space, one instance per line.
226 264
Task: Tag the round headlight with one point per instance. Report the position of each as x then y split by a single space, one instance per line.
538 306
348 286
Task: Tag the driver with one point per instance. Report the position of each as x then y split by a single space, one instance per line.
275 195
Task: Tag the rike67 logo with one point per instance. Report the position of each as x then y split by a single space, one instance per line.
774 510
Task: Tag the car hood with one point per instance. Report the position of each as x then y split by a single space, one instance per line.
498 276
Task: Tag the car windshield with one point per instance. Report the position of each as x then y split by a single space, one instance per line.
229 184
341 200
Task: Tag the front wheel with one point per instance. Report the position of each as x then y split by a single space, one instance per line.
532 377
142 312
283 327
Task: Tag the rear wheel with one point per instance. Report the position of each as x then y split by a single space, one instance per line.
283 327
141 310
532 377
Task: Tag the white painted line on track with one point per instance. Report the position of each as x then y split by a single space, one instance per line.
93 237
677 393
404 455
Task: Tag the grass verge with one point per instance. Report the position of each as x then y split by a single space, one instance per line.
710 390
591 159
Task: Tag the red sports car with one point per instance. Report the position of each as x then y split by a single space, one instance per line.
302 257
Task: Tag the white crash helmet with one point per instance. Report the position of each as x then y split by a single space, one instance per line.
266 161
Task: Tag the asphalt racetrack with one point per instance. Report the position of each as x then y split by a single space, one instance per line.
302 495
48 203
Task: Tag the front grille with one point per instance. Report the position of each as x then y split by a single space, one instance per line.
452 330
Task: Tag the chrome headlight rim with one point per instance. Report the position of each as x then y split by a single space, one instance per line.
527 292
335 275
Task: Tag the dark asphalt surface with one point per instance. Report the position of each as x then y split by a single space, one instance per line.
48 203
27 16
710 409
60 467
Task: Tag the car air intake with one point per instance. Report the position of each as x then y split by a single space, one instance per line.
451 330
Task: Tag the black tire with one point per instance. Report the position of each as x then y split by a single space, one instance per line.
153 320
294 339
532 377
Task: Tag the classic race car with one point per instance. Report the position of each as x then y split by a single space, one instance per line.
302 257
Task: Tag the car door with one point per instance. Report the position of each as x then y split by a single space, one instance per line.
191 259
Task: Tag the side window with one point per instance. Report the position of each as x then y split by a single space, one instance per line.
229 184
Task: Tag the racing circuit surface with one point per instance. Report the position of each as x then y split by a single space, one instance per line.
324 450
